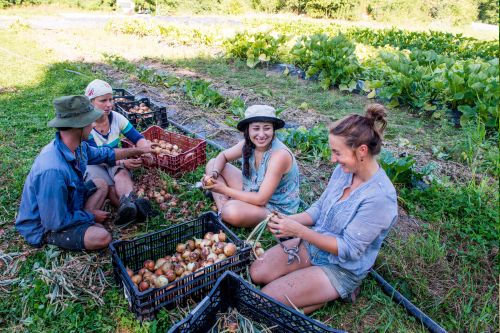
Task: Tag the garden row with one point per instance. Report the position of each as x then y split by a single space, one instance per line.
455 45
422 79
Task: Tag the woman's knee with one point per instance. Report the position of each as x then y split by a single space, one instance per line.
259 272
231 214
209 166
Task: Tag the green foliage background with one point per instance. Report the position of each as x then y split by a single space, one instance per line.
457 12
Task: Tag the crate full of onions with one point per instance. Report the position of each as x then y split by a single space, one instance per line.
170 266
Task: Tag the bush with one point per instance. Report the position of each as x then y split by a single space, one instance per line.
340 9
455 11
488 11
331 59
260 47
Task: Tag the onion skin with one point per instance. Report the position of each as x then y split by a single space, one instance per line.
143 286
149 265
136 279
230 249
222 236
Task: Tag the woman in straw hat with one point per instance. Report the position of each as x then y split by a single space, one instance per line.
338 238
269 179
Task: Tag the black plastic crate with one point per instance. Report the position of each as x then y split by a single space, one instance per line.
232 292
157 116
133 253
118 92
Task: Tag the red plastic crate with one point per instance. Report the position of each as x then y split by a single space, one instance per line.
193 152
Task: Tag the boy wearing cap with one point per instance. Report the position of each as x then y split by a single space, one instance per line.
106 132
57 207
269 179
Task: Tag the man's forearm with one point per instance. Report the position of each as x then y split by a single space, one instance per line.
121 153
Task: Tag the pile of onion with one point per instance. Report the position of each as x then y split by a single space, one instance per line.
190 257
141 108
165 148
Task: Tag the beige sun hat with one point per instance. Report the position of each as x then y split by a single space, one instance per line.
263 113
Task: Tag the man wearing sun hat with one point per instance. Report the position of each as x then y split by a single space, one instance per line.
57 207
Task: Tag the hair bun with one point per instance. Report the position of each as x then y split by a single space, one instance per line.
377 114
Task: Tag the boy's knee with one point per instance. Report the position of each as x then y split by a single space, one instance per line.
101 185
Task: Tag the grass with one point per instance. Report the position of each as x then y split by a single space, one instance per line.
443 268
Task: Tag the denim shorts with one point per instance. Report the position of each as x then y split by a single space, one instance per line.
71 238
341 279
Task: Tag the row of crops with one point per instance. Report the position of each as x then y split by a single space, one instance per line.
425 80
431 72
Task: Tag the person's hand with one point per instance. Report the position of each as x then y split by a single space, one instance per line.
283 226
207 180
100 216
216 186
146 148
132 163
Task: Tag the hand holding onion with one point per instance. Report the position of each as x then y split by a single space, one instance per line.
214 185
283 226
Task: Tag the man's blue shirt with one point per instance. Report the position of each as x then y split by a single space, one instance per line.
54 193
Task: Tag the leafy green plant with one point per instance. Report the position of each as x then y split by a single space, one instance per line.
255 48
200 93
237 112
309 144
401 170
332 59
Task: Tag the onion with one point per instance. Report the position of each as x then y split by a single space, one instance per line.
218 248
212 256
209 235
230 249
215 238
206 243
193 256
259 251
221 256
143 286
170 275
161 281
205 252
178 269
180 247
191 266
159 263
166 267
149 265
197 243
136 279
159 271
130 272
142 271
191 244
222 236
186 254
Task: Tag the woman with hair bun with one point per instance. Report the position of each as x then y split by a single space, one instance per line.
269 179
338 238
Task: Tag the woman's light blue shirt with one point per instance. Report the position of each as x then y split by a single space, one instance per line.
286 197
359 223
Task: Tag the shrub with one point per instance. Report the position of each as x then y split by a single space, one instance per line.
340 9
331 59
